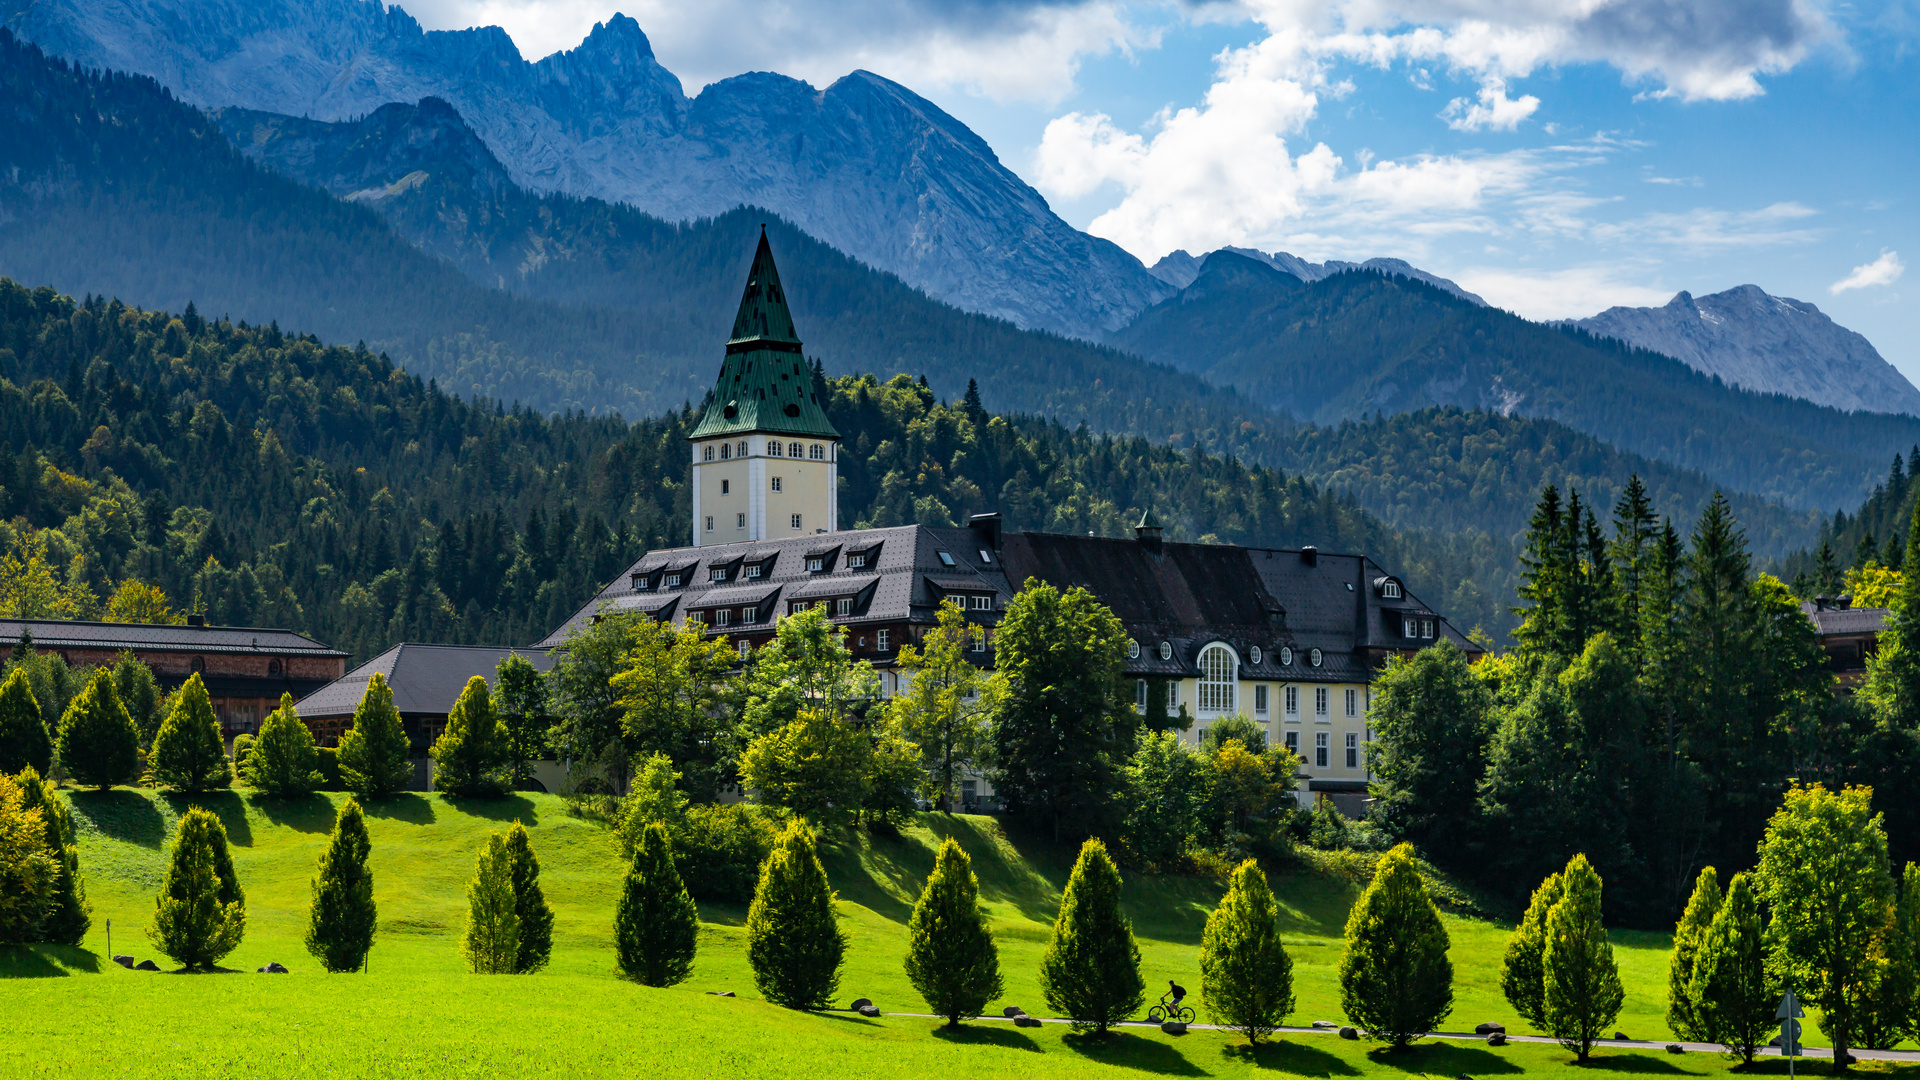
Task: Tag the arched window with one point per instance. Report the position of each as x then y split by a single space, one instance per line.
793 449
817 452
273 669
1133 650
199 664
726 451
706 452
1391 590
742 451
1218 674
773 448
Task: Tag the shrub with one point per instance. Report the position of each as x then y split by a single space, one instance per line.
1684 1011
98 744
199 915
1395 979
188 753
1581 992
374 753
1522 974
722 850
1246 976
530 907
24 742
27 867
341 919
471 754
283 759
656 923
793 941
68 916
951 958
491 944
242 746
1090 971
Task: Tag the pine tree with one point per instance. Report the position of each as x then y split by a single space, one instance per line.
470 754
1090 971
530 907
656 922
283 760
491 944
24 742
98 744
341 919
1893 674
1522 970
188 752
951 958
1684 1011
199 916
522 699
1582 994
1396 982
68 916
1732 993
1246 976
27 867
374 752
793 941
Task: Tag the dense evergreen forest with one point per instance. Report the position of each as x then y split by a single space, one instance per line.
1851 545
267 478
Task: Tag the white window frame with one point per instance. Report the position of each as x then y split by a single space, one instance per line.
1173 696
746 647
722 616
707 452
673 581
980 603
843 607
880 640
816 452
754 570
1293 701
773 482
1219 680
726 451
1260 698
1353 702
742 451
718 573
816 563
1319 701
1322 750
979 639
1140 695
773 450
709 522
796 521
856 561
740 521
1391 590
1353 749
1292 742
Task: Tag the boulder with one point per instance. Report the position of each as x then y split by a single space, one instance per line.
1012 1011
1325 1025
1174 1027
1676 1048
1622 1036
1497 1038
860 1003
868 1010
146 965
275 968
1488 1029
1349 1033
124 960
1023 1020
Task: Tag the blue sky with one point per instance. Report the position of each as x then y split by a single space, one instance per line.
1556 156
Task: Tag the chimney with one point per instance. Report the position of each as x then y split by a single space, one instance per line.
1310 555
197 619
1845 602
986 527
1147 532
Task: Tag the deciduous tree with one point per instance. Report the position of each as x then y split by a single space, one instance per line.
814 766
1522 968
951 958
1732 994
672 690
1090 971
1246 976
1431 719
946 707
521 694
1396 982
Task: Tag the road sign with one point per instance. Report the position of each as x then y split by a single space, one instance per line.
1789 1007
1789 1037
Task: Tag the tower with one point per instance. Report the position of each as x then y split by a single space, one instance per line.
764 454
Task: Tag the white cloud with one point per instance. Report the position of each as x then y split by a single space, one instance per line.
1884 270
1495 109
1571 293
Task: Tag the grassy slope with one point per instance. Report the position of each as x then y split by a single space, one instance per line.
574 1018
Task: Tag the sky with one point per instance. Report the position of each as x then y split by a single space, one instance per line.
1555 156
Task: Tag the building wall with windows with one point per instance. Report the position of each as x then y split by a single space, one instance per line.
760 486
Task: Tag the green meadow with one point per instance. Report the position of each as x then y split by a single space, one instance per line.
416 1012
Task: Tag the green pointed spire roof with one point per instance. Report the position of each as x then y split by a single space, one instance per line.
1148 520
764 383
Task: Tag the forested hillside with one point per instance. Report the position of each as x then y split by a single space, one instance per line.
270 479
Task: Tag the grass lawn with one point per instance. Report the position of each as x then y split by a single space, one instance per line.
417 1010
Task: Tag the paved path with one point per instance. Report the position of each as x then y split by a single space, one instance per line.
1628 1044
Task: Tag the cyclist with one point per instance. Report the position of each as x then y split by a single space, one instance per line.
1176 992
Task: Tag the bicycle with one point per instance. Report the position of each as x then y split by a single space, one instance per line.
1160 1014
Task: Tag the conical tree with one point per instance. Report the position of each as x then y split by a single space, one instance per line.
1582 994
1683 1009
951 958
27 868
68 916
198 917
1733 994
188 752
794 940
340 921
656 923
1396 982
491 944
283 760
530 905
24 742
374 753
98 744
1522 969
471 754
1246 976
1090 971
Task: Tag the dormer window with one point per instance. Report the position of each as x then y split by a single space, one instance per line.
673 581
273 669
1166 650
1253 654
753 571
856 561
816 563
718 573
722 616
1314 657
980 603
1133 652
946 559
642 583
1286 656
1391 590
843 606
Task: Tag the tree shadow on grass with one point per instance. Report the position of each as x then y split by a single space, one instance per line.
1646 1064
408 806
1130 1051
506 808
310 812
127 816
225 805
986 1035
45 961
1293 1056
1443 1059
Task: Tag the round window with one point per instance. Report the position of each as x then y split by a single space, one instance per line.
1313 657
1286 656
198 664
1253 654
1166 650
1133 650
273 669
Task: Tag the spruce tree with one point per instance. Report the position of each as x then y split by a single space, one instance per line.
1684 1013
471 753
341 919
530 907
656 923
951 958
1522 970
374 752
491 944
1582 994
1090 971
283 760
1732 992
68 916
98 743
794 942
1396 982
188 753
199 916
1246 976
1893 674
24 742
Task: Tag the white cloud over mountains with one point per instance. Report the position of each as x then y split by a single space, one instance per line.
1884 270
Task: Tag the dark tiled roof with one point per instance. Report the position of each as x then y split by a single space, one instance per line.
426 679
155 637
1851 620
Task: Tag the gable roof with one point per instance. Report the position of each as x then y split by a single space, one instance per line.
163 637
764 384
425 679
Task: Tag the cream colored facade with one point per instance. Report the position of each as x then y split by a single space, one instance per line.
1324 724
757 486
